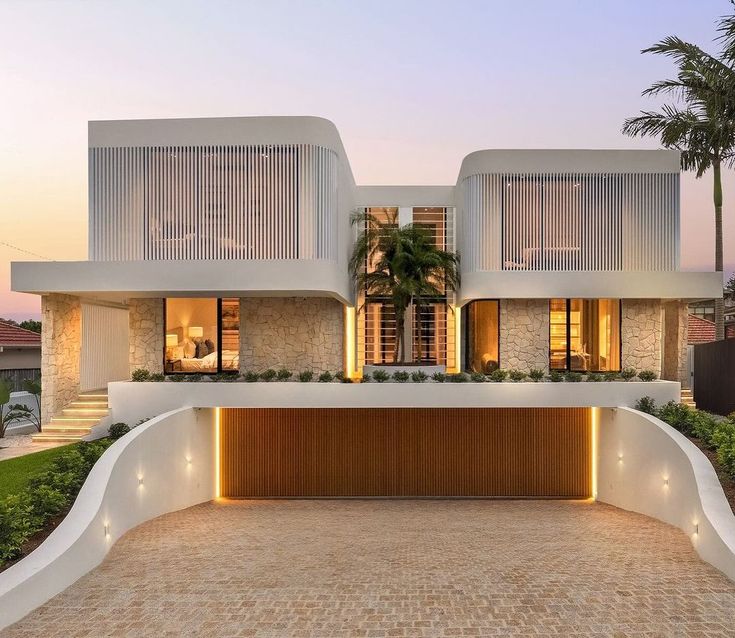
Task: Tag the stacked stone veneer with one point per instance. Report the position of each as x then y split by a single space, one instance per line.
61 338
296 333
524 334
676 326
641 334
146 334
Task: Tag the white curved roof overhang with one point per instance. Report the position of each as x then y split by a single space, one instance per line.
120 280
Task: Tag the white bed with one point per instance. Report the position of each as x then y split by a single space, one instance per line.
230 361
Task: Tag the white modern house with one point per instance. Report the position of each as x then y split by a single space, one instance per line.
221 246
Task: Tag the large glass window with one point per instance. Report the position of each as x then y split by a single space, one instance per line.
481 325
584 335
202 335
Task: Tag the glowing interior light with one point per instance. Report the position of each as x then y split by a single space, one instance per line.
666 481
696 528
140 481
620 458
188 460
107 530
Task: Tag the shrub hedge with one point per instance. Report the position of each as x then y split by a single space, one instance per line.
716 433
48 494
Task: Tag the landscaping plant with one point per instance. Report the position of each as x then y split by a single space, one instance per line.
536 375
517 375
141 374
326 377
460 377
380 376
498 375
628 374
117 430
573 377
478 377
268 375
439 377
419 376
47 495
400 376
647 375
594 377
250 376
283 374
306 376
555 376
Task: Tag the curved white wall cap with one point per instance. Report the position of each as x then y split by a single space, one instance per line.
162 466
569 161
215 130
589 284
646 466
119 280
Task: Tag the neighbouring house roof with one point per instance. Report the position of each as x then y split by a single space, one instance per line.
703 330
14 337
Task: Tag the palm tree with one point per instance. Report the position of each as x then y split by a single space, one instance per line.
702 123
403 264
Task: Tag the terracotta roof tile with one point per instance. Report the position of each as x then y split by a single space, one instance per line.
11 335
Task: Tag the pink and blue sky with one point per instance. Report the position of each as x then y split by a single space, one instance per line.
413 86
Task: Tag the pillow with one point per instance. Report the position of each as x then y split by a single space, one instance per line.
201 350
190 349
210 346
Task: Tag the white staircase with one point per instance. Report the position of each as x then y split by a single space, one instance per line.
76 420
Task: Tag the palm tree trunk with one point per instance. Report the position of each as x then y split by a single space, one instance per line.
398 344
419 332
719 302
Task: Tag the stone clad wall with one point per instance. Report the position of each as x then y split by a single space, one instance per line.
61 337
524 334
641 334
297 333
146 334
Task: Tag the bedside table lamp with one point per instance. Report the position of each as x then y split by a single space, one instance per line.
196 332
171 342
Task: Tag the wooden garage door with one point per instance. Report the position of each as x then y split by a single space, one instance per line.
521 452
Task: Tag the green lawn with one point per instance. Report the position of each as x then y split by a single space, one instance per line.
15 473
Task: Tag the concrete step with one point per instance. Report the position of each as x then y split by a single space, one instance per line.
88 404
85 412
60 437
67 427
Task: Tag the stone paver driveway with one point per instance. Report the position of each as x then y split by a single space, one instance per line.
395 568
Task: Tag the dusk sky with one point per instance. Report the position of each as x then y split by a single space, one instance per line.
412 87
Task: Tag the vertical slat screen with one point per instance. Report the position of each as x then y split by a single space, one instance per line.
105 346
570 222
213 202
504 452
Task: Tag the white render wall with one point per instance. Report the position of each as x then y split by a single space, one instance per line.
646 466
129 402
162 466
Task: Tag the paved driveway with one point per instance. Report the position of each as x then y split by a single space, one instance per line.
395 568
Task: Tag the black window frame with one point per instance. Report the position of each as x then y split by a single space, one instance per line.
464 318
219 344
568 366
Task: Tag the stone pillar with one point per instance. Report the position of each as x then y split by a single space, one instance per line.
675 337
524 334
61 340
146 334
296 333
641 334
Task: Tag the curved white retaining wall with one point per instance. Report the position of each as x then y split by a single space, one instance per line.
130 402
646 466
164 465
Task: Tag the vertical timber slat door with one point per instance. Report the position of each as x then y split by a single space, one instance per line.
315 452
